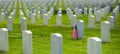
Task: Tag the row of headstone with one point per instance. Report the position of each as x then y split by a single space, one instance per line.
23 21
26 41
90 3
6 14
115 12
94 44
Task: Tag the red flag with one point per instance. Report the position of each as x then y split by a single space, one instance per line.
75 34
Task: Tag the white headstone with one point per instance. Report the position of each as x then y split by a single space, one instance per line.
85 10
94 45
33 18
9 24
38 15
27 42
80 28
56 43
2 17
90 11
111 20
45 19
23 24
98 16
59 20
4 40
73 20
95 9
91 21
105 31
79 12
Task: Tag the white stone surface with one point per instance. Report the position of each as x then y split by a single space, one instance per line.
111 20
91 21
27 42
4 40
10 24
105 31
56 43
94 45
59 20
23 24
98 16
90 11
73 20
85 10
38 15
45 19
2 17
80 28
33 18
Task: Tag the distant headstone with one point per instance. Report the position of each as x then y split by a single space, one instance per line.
85 10
38 15
59 20
33 18
9 24
90 11
27 42
111 20
23 24
105 31
91 21
80 28
4 40
94 45
2 17
114 14
73 20
45 19
56 43
98 16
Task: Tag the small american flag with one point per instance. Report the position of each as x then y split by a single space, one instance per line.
75 33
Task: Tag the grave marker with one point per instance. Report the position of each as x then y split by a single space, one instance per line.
27 42
80 28
56 43
4 40
94 45
105 31
59 20
9 24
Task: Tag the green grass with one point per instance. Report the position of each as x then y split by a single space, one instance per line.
41 36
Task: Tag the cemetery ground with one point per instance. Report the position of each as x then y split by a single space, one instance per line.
41 36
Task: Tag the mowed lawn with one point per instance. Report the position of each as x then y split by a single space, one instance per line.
41 36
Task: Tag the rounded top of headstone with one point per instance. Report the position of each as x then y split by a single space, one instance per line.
9 17
3 13
81 21
98 10
106 22
111 16
80 9
90 8
75 15
4 29
27 31
33 14
95 38
24 18
59 14
46 14
56 34
92 16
